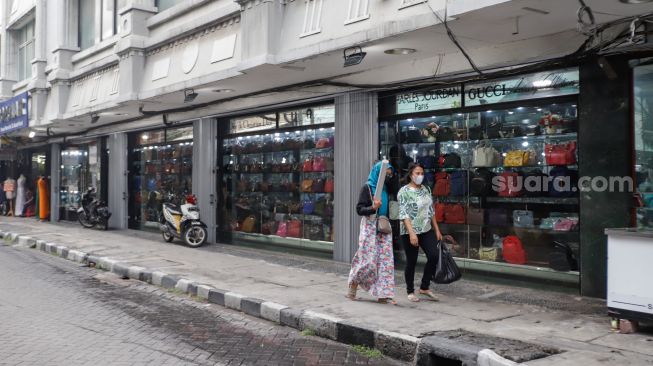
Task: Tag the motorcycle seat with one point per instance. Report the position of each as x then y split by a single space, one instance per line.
174 209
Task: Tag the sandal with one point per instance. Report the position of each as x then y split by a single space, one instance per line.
387 300
351 295
413 298
429 294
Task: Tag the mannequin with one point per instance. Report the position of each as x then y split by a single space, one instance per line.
10 192
19 207
44 199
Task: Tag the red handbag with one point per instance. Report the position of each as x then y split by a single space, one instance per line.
513 250
319 165
439 212
454 214
442 184
510 185
329 186
322 143
560 154
308 166
294 229
282 229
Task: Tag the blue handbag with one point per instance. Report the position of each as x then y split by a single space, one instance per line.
458 183
309 207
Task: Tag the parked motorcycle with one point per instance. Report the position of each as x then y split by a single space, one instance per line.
183 222
93 212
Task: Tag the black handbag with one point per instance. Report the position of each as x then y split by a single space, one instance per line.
452 161
447 270
481 183
445 134
411 137
562 258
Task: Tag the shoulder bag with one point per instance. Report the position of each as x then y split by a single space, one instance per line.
382 222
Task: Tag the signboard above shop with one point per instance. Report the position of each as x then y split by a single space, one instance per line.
531 86
14 114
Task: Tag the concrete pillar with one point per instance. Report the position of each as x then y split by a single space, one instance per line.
117 180
204 172
55 180
356 148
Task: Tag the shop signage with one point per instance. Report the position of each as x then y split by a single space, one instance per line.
539 85
14 114
432 100
253 123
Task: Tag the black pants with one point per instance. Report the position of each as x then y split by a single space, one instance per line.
429 243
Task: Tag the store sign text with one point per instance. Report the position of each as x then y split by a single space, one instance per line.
14 114
429 101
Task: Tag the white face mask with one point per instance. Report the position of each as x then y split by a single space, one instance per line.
418 179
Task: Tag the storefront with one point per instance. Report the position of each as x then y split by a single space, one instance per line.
83 165
276 182
643 138
501 159
160 170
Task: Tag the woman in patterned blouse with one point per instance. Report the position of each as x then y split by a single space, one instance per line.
418 229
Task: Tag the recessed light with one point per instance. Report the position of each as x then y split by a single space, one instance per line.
223 90
635 1
400 51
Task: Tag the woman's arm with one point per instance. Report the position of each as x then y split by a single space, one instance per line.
403 216
365 206
438 234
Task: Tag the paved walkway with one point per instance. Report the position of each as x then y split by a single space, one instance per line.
576 325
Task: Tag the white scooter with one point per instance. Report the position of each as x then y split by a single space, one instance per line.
183 222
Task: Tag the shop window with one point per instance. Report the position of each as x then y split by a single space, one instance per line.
166 4
643 103
160 171
278 186
90 28
498 175
312 18
25 37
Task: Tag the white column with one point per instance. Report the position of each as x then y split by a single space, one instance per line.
204 172
117 180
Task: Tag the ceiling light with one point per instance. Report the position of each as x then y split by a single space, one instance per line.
542 83
94 118
353 56
189 95
400 51
223 90
32 134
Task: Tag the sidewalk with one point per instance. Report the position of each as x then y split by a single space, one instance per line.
577 326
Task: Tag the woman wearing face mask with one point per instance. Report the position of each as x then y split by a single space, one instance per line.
373 265
418 229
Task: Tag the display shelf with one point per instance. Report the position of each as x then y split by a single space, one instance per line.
540 138
293 172
538 200
533 229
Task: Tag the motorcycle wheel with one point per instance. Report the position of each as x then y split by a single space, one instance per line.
195 236
81 217
167 237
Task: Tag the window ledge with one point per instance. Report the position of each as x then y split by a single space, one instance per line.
412 4
356 20
107 43
174 12
21 84
310 33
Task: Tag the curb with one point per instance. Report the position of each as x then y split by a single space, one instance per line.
402 347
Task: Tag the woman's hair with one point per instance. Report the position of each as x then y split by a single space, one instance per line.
411 168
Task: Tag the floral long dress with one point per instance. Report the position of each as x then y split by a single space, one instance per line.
373 267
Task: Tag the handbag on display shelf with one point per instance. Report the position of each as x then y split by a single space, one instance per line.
320 207
429 162
322 143
513 250
294 229
451 161
249 225
498 217
282 229
308 166
329 185
523 218
309 143
516 158
454 214
439 212
268 228
234 225
330 165
442 184
560 154
511 185
565 224
319 165
481 184
445 134
563 182
475 216
484 155
295 207
458 182
307 186
488 254
562 257
318 186
309 208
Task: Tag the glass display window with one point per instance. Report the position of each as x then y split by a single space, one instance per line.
643 129
503 178
161 170
277 187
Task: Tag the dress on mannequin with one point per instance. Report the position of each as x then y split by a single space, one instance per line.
44 199
20 196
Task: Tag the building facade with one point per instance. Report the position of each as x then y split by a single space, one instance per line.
247 105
